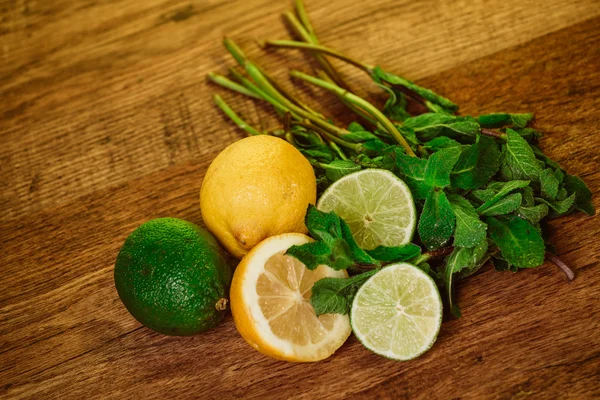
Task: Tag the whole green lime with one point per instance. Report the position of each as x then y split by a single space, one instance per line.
173 277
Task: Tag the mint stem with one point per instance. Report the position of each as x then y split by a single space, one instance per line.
234 117
303 33
358 101
287 94
494 134
303 16
329 136
441 252
357 110
337 150
291 44
561 265
273 96
252 87
236 87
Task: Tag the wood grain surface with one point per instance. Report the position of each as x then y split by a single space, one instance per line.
106 121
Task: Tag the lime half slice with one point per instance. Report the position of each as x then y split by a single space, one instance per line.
397 313
377 206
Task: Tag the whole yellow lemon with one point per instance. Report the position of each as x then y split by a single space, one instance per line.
257 187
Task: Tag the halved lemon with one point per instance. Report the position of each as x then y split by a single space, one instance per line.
270 295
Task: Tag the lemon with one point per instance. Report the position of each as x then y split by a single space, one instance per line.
269 297
377 206
257 187
397 313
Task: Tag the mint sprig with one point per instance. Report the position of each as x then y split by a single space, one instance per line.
482 184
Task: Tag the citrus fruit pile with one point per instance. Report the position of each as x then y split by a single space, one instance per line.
174 278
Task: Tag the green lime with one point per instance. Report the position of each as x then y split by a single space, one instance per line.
377 206
397 313
172 277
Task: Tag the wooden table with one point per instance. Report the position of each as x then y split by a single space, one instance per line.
107 121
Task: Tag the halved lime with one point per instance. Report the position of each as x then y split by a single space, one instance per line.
397 313
377 206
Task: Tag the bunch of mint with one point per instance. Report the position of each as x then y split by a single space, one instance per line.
483 186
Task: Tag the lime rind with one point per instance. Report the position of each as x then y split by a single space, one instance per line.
397 313
377 206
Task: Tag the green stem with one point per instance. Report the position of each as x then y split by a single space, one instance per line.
234 117
365 105
303 16
247 83
273 96
337 150
441 252
331 137
226 83
267 84
358 111
285 93
494 134
235 51
291 44
303 33
258 93
422 151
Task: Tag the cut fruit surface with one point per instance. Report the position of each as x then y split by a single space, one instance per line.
377 206
397 313
270 303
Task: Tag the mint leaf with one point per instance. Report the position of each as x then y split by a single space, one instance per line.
583 196
335 295
533 214
529 134
477 164
482 195
550 181
470 230
322 226
412 171
463 261
355 127
380 76
396 253
441 142
562 194
430 125
395 106
357 136
409 134
503 206
560 207
544 158
339 168
439 165
518 162
502 189
335 245
383 162
519 242
358 255
320 153
336 254
437 220
497 120
528 197
373 147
